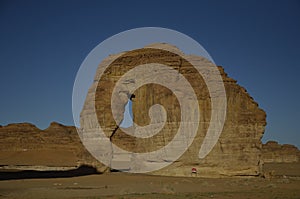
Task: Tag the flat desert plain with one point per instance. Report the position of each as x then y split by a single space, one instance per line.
285 183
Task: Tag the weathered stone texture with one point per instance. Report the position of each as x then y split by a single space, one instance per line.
238 151
277 153
24 144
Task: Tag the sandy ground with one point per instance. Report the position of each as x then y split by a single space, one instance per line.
286 184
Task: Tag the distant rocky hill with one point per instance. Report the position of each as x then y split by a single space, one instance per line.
276 153
24 145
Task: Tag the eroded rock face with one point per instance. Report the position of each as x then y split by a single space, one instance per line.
238 150
277 153
28 136
24 144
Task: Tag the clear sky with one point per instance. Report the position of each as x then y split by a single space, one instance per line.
43 43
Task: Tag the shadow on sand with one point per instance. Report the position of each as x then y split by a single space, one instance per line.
30 174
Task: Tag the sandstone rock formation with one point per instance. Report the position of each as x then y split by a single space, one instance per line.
238 150
272 152
24 145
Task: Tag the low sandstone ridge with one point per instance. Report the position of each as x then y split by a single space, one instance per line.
25 145
277 153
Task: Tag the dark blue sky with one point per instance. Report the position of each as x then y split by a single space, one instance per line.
43 43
